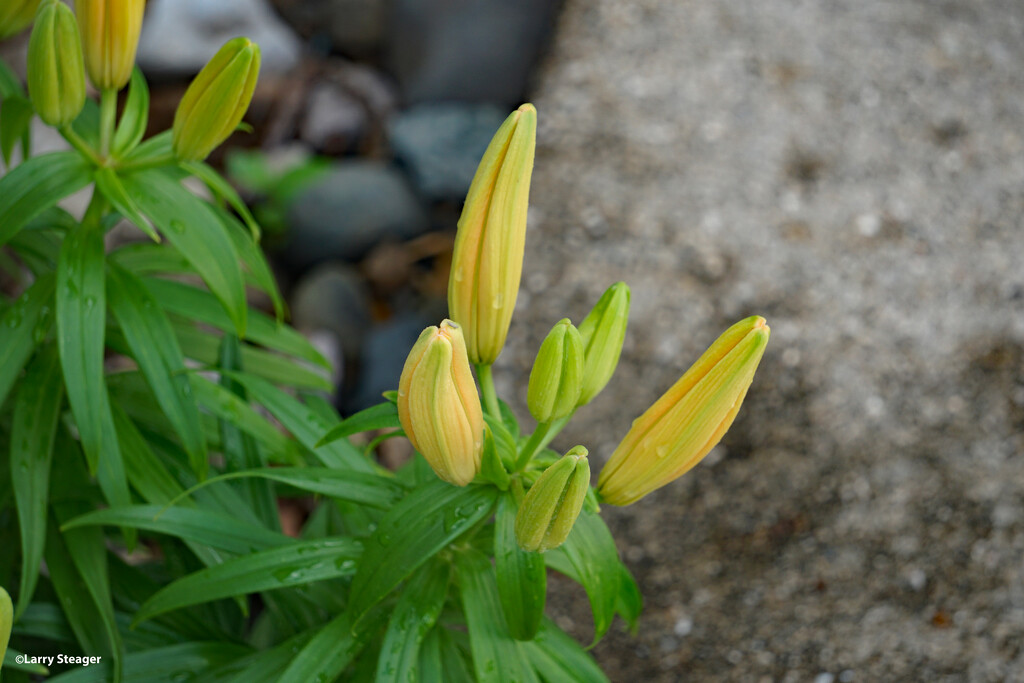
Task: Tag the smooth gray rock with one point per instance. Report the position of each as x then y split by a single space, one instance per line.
334 298
180 36
344 213
467 50
441 145
334 120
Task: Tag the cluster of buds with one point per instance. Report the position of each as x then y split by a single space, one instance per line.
102 43
438 404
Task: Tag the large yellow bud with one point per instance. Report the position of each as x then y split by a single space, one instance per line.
438 404
689 419
216 100
110 37
488 258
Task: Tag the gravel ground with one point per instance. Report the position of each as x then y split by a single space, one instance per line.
853 170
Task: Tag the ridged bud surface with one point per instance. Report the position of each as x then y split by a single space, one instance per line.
551 506
110 37
603 332
557 375
56 78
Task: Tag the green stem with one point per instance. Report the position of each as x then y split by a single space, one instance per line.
97 207
483 373
532 446
108 116
76 141
154 162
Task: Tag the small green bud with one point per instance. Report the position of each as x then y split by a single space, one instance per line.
602 332
557 375
16 15
216 100
56 75
553 503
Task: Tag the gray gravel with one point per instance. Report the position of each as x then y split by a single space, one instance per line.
854 171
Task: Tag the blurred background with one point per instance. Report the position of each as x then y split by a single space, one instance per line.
853 170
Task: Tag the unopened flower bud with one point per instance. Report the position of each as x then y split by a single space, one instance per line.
553 503
689 419
488 258
557 375
216 100
16 15
438 404
602 332
56 77
110 37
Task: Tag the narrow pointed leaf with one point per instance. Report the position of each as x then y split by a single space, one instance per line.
414 615
15 116
497 657
557 657
134 117
381 416
32 434
38 184
191 524
194 229
412 532
357 487
521 575
291 565
155 348
170 664
111 187
332 649
22 326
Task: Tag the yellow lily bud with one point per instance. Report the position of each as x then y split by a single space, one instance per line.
602 332
16 15
438 404
689 419
488 258
6 621
110 36
551 506
557 375
56 78
216 100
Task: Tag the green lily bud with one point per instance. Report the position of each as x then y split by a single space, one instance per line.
56 77
110 37
6 621
216 100
16 15
689 419
602 332
557 375
553 503
488 258
438 404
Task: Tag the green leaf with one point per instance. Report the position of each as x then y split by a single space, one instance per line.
9 83
255 261
22 326
259 667
197 304
630 602
223 189
332 649
305 424
170 664
111 187
190 524
412 532
11 661
36 185
497 657
522 576
80 611
557 657
192 226
268 365
591 553
45 620
357 487
155 348
508 418
36 411
380 416
134 117
157 147
15 116
231 408
295 564
414 615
